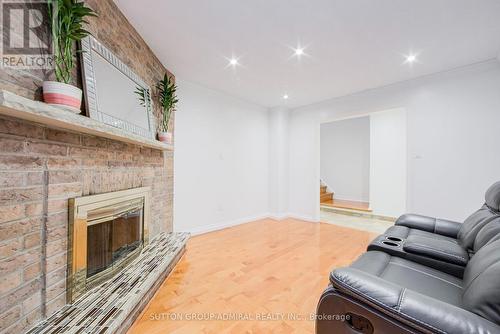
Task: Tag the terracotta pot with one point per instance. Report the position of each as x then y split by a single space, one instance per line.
61 94
165 137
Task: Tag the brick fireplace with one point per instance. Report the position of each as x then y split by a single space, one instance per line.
42 168
106 246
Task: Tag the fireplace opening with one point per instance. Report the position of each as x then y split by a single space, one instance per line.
110 242
107 232
114 238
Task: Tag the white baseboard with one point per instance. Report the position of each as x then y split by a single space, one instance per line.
302 217
284 216
279 216
223 225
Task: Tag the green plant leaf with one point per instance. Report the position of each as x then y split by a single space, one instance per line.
142 93
67 18
167 99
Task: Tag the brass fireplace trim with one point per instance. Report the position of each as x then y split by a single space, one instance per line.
99 206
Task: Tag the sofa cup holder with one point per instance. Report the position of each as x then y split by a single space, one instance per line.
396 239
390 243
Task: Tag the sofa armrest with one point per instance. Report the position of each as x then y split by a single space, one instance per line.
439 249
429 224
413 308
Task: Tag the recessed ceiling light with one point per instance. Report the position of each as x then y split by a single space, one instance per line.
233 62
411 59
299 51
285 97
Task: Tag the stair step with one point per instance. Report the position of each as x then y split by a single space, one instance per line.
347 205
326 196
322 189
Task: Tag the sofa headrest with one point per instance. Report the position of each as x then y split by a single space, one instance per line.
493 196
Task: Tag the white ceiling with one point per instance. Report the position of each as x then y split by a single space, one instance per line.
352 45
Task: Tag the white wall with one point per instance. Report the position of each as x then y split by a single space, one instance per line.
388 162
278 162
221 160
453 125
345 158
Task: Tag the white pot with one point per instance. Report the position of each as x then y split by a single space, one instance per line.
61 94
165 137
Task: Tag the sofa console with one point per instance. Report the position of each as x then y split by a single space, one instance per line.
434 253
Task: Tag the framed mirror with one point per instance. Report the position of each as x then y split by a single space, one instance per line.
110 91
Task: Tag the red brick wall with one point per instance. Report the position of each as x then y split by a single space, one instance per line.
40 168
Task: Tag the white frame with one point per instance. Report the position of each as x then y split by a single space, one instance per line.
90 44
342 118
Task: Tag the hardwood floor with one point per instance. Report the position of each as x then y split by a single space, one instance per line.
254 271
343 204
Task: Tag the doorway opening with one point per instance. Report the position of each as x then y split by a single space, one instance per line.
363 166
345 164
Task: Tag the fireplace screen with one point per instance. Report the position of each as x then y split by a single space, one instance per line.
107 232
110 242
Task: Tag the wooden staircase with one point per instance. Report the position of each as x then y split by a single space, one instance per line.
325 196
326 199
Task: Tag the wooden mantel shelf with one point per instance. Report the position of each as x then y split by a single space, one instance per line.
20 107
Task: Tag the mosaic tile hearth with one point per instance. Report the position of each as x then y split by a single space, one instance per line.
106 308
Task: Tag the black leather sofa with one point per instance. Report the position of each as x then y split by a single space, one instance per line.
423 275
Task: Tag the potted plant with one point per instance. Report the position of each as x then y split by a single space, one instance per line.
168 100
67 18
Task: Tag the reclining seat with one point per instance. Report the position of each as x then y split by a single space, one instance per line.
380 293
412 224
432 241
